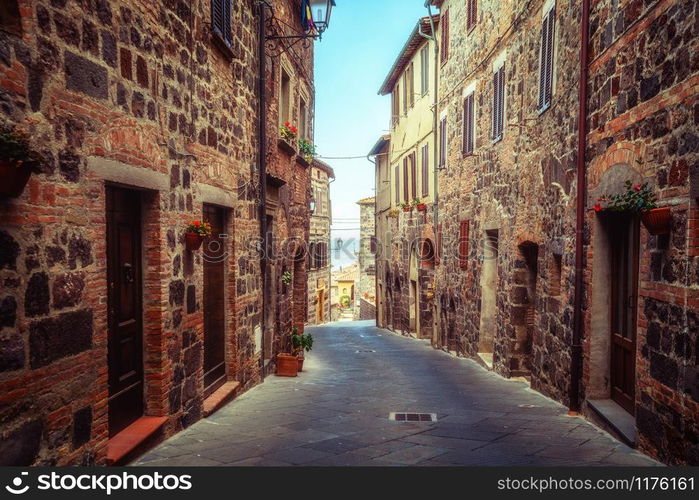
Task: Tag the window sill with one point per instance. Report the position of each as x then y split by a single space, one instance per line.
225 49
135 435
614 416
543 110
302 161
285 146
497 139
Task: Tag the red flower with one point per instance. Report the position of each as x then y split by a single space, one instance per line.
286 124
637 187
197 223
598 207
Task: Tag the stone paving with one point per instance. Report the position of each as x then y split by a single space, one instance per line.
336 413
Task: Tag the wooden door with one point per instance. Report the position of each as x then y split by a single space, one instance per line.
214 301
125 321
320 316
624 280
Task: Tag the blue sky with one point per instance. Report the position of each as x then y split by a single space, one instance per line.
351 63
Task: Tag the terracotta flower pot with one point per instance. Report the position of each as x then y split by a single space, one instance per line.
657 220
407 209
287 365
193 241
13 178
421 207
300 359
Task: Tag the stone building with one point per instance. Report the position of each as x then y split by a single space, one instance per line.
146 115
531 279
319 267
405 162
365 305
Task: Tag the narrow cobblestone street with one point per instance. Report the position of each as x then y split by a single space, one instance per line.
336 413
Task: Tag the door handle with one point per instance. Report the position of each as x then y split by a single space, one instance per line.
128 273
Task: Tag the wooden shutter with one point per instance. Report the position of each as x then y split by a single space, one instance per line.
425 69
411 84
221 19
468 124
425 170
501 95
443 143
405 92
396 171
405 180
472 13
549 59
543 58
464 228
445 36
413 175
438 250
498 101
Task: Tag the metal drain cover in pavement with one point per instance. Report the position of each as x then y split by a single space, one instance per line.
412 417
364 350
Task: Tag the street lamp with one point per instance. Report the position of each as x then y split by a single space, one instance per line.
312 204
320 12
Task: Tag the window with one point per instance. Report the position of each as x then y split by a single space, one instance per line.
498 103
10 18
396 174
372 244
468 139
285 98
405 92
221 21
413 176
303 119
426 170
395 105
411 84
464 228
443 143
444 49
471 14
546 61
405 180
425 69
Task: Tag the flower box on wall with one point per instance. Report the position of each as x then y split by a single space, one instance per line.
287 147
302 161
657 220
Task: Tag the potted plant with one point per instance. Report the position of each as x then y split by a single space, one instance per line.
17 160
195 234
301 342
421 207
407 207
286 277
393 213
287 365
287 139
307 150
639 198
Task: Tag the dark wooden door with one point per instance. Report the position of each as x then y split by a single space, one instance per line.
624 279
125 339
214 301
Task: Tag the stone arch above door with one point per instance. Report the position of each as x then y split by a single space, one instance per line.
613 181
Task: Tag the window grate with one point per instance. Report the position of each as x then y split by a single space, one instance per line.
412 417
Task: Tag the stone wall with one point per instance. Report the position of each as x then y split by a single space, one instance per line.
643 117
138 94
366 286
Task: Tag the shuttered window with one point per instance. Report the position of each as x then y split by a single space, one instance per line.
405 92
471 14
424 70
468 136
464 228
395 105
444 49
425 170
546 60
411 84
396 174
498 103
413 176
443 143
406 191
221 20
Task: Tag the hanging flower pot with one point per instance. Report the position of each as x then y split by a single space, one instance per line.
657 220
195 234
421 207
13 177
407 207
193 241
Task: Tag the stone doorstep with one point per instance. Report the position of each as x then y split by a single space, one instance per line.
615 419
485 359
220 397
136 434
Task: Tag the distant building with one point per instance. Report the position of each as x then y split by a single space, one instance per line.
365 304
342 291
319 245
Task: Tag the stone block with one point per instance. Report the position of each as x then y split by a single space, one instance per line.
64 335
85 76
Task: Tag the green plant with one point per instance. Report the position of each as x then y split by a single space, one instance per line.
200 228
636 198
307 149
345 301
301 342
416 201
286 277
406 206
14 147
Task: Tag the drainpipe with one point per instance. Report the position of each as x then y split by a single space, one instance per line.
262 159
578 319
376 221
435 113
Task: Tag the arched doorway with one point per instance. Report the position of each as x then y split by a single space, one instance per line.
414 293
